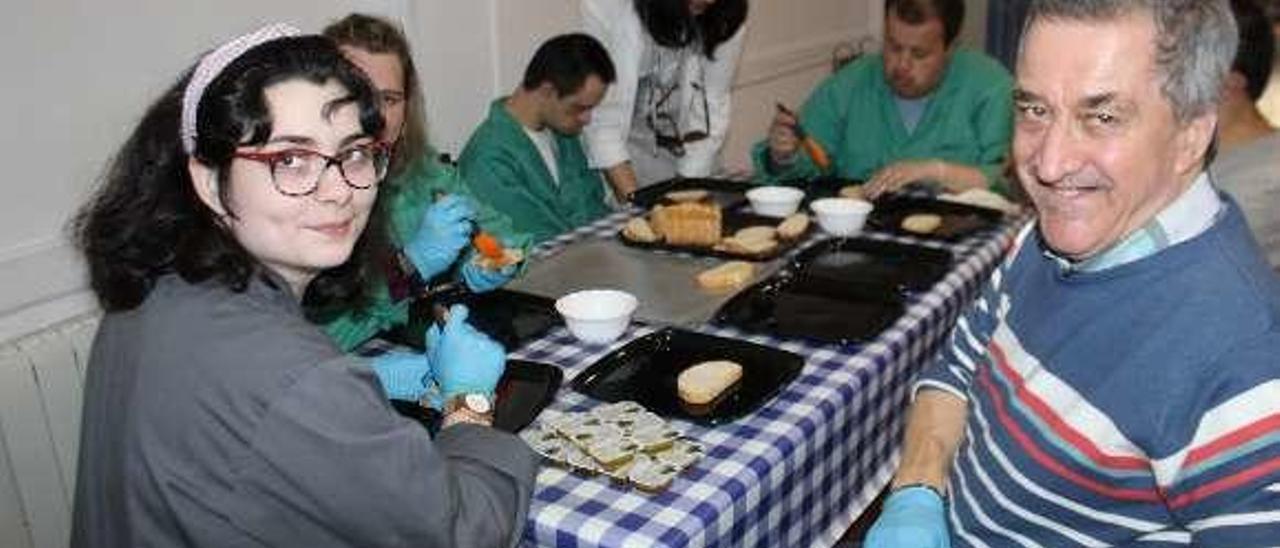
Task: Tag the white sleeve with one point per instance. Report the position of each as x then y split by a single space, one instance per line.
701 156
614 24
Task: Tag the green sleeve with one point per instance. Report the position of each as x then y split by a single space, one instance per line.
419 190
351 328
823 117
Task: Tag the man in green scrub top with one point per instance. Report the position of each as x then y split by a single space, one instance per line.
526 160
922 110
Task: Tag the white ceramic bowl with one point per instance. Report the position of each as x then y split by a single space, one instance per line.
597 316
841 216
775 201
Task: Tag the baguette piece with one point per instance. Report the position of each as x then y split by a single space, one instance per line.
706 381
726 276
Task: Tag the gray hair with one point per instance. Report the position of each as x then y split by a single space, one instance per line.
1195 43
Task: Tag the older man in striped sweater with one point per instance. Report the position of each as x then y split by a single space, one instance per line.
1118 380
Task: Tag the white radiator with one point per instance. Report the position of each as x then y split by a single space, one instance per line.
41 382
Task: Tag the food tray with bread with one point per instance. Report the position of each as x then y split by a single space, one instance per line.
930 218
704 228
904 267
726 193
795 304
689 375
622 441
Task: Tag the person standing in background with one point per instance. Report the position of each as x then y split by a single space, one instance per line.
526 159
1248 162
430 209
668 113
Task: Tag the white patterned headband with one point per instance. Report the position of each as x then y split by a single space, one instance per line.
213 64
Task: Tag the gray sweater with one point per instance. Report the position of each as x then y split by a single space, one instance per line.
214 418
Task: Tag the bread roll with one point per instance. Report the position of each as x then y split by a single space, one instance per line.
726 276
793 226
706 381
921 223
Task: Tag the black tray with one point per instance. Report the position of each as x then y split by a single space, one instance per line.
509 317
727 193
794 305
731 222
959 221
526 388
904 267
645 371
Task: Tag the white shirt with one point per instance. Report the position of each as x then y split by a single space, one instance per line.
546 145
621 117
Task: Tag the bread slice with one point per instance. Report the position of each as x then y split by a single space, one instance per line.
638 230
921 223
760 232
706 381
793 226
726 276
689 195
853 191
741 246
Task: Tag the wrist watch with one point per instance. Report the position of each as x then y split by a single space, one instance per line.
473 407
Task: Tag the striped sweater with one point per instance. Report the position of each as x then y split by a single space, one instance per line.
1137 405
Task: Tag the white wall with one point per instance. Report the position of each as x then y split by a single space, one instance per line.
78 73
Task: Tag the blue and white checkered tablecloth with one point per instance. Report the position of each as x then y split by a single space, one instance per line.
796 472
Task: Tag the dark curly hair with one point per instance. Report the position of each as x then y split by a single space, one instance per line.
146 220
671 24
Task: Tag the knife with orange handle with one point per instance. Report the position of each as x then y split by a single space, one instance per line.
811 146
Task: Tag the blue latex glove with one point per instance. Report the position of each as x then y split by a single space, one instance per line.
445 231
466 360
480 279
404 376
914 517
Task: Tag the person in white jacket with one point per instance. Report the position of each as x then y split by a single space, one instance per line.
668 113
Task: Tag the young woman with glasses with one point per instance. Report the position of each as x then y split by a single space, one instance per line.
668 113
431 213
215 413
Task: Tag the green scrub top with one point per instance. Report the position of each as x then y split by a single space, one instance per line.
853 115
505 170
408 196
